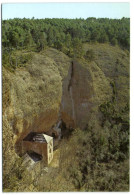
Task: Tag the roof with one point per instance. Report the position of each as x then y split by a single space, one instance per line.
42 138
47 138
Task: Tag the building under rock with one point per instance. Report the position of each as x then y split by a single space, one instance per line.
39 146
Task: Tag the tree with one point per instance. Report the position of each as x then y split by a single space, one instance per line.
88 36
114 41
58 45
77 48
68 40
103 37
95 35
5 41
90 55
50 37
28 39
42 41
14 38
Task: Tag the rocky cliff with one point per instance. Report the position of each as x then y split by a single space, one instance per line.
54 86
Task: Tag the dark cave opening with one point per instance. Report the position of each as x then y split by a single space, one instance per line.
66 131
30 136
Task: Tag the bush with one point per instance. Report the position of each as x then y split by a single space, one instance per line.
90 55
114 41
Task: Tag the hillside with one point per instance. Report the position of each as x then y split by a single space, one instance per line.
90 93
35 104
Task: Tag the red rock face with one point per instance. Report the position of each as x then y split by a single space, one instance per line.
77 92
79 96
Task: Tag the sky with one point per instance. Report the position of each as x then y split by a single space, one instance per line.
65 10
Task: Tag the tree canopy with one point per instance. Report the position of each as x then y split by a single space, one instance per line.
66 35
62 33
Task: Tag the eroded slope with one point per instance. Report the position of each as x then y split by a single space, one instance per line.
53 86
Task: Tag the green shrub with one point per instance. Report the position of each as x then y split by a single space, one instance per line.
90 55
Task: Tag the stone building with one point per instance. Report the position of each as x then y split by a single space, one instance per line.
39 145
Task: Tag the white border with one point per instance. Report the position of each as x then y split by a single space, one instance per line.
131 97
131 83
73 1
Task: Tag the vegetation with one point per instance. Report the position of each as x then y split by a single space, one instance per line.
97 157
90 55
66 35
93 159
